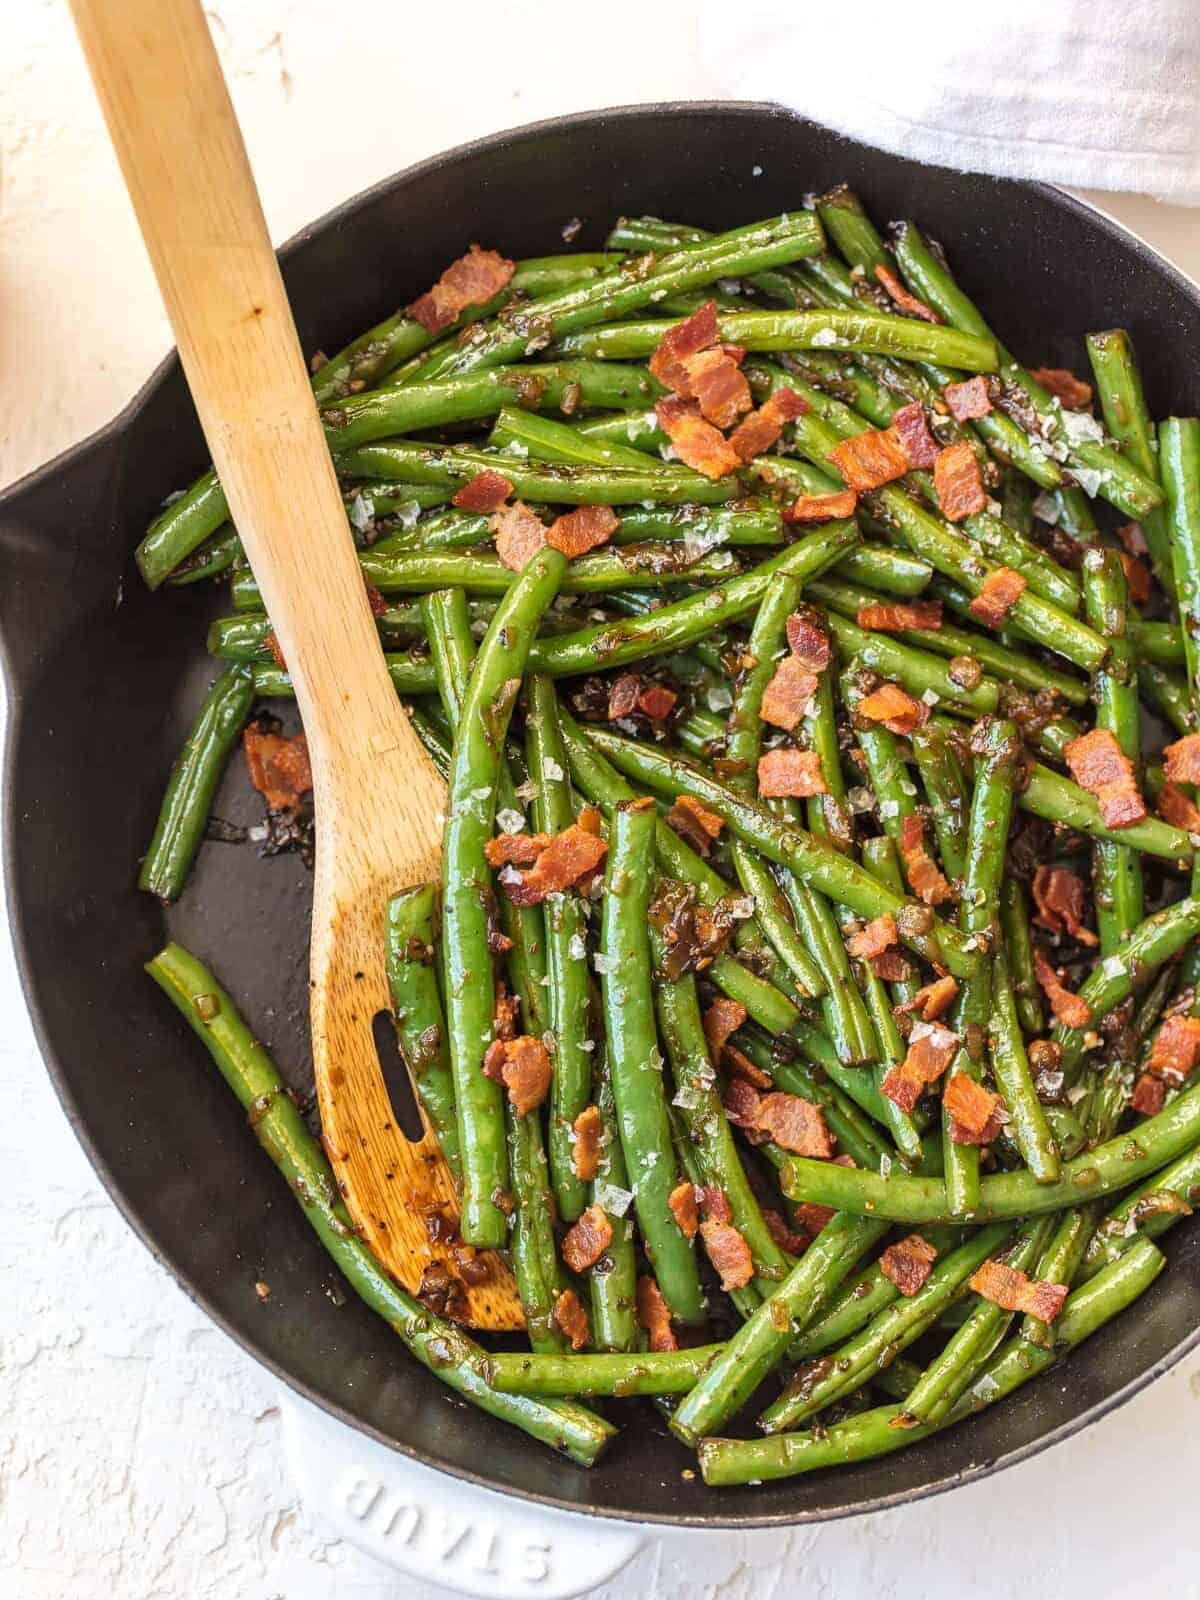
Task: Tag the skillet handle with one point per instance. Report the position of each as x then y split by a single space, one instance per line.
439 1529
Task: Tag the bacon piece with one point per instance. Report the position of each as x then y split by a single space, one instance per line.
623 696
1014 1290
974 1111
808 640
791 772
515 849
1099 765
1137 576
968 399
786 698
278 766
1176 1049
1072 1010
894 708
656 701
585 1148
714 1204
742 1101
1175 807
923 874
1133 540
717 386
526 1073
878 936
678 343
376 601
812 1216
1070 392
762 428
472 280
908 1263
692 822
586 528
912 429
587 1240
1059 896
931 1048
654 1316
486 492
795 1124
697 443
869 460
931 1001
519 534
682 1203
504 1013
958 482
740 1064
570 856
822 507
1001 591
908 303
892 966
794 1243
571 1319
729 1253
1181 760
896 618
722 1019
1149 1095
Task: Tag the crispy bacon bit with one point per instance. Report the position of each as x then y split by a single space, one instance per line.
654 1317
693 823
570 856
968 399
697 443
586 528
1176 1049
585 1149
1059 895
472 280
974 1111
504 1013
515 849
1175 807
795 1124
869 460
571 1319
896 618
1014 1290
892 966
623 696
714 1204
908 303
716 384
740 1064
1181 760
519 534
931 1049
1001 591
1149 1095
794 1243
912 428
924 877
276 649
493 1061
931 1001
1070 392
762 428
812 1217
587 1240
808 640
875 938
682 1201
278 766
1137 576
656 701
786 698
958 482
729 1253
526 1072
1133 540
742 1101
822 507
908 1263
376 601
791 772
1099 765
679 342
722 1019
486 492
1071 1010
895 709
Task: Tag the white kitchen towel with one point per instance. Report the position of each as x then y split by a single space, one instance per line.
1099 94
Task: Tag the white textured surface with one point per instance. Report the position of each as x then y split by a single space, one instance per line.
140 1454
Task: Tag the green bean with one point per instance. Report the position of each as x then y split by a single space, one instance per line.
1123 406
1148 1211
922 674
634 1056
1028 1128
745 1299
644 1372
1018 947
1049 795
613 1280
214 555
417 1009
193 783
522 432
279 1127
946 791
1157 642
1059 1261
1168 694
859 1301
1179 458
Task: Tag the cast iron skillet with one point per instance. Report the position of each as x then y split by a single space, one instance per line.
103 680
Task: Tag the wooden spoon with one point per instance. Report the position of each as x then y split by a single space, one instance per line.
378 799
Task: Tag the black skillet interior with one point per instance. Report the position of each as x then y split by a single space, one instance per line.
104 679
